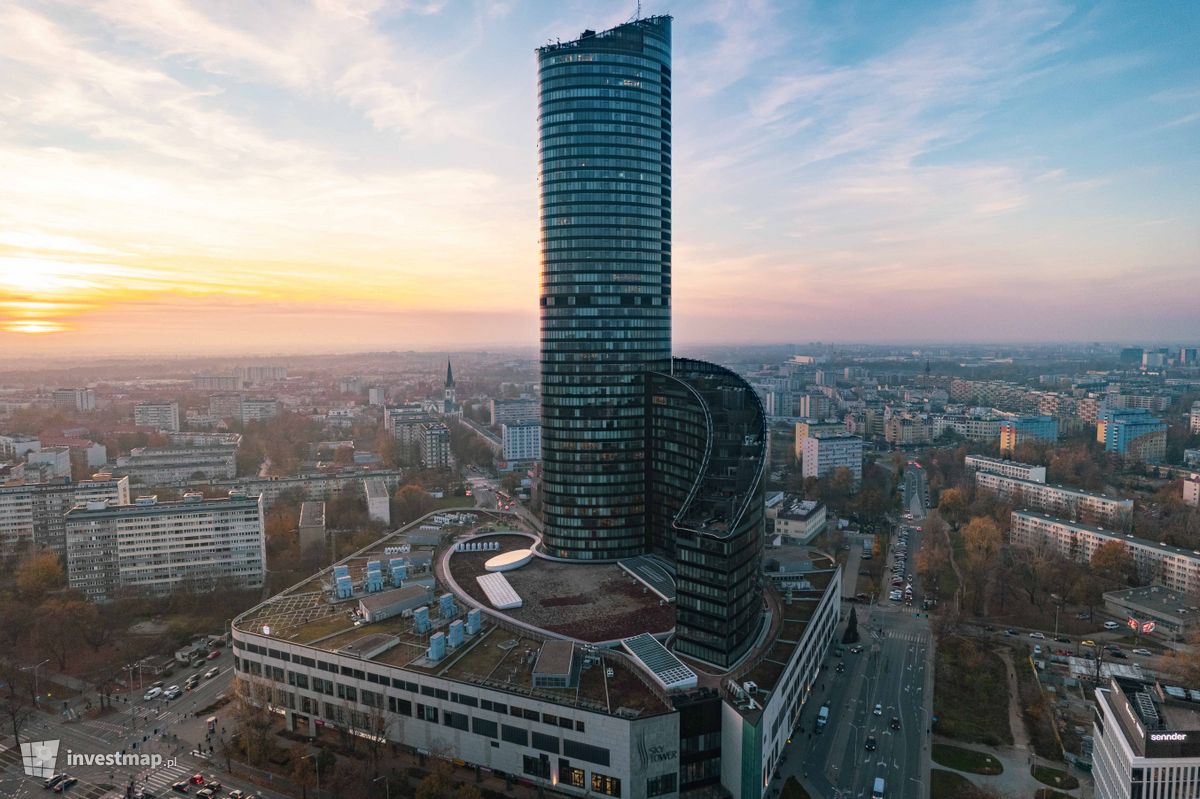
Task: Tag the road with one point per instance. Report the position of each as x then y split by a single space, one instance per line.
168 728
895 671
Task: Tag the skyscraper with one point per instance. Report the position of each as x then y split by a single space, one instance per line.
605 156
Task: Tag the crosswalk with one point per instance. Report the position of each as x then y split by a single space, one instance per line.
163 777
911 637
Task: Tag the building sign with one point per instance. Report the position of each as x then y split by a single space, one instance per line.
1133 624
1147 627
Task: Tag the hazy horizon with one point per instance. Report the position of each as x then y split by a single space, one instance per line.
201 179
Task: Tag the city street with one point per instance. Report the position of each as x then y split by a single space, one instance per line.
167 728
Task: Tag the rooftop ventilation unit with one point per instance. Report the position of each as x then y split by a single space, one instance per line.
421 620
456 634
437 647
345 588
446 605
474 620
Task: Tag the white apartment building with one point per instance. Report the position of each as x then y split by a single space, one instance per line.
157 548
34 513
1007 468
975 428
1146 740
1172 567
513 411
225 406
216 382
1062 501
522 441
159 415
258 410
825 452
315 487
1194 418
158 465
379 500
18 446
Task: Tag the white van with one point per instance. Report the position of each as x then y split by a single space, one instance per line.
877 791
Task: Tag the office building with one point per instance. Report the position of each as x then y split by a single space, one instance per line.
178 464
74 399
153 548
1027 428
522 441
1134 433
1146 740
797 520
1172 567
310 529
606 279
157 415
824 453
1020 471
1191 490
34 514
1175 615
434 442
1061 501
706 442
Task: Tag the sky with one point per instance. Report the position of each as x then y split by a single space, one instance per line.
216 176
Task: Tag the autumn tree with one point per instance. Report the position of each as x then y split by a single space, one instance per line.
59 621
982 540
440 784
952 506
412 502
1113 563
38 574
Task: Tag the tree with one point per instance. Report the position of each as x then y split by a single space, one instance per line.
952 506
38 574
412 502
982 539
440 784
254 718
304 768
1113 562
59 620
851 634
16 704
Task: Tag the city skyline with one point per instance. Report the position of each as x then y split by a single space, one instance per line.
187 179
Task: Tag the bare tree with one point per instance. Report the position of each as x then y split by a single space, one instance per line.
16 704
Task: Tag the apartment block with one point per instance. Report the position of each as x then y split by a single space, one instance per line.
512 411
74 399
33 514
175 464
1172 567
434 442
194 545
379 500
1069 503
812 427
1191 491
1027 428
1134 433
522 442
159 415
1021 471
824 453
259 409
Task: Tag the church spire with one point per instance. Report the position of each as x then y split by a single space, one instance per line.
449 375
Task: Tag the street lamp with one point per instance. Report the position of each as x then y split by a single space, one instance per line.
387 786
1058 604
316 769
35 668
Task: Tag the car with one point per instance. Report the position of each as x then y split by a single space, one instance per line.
1111 625
205 793
1118 654
1062 639
183 786
864 573
840 667
197 779
236 794
53 779
895 723
909 577
870 744
213 655
1083 616
1143 652
1011 632
173 692
1087 642
213 672
153 693
1038 635
878 709
214 784
67 782
856 649
1037 650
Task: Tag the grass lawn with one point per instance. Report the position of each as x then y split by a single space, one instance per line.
453 502
960 759
970 693
1054 777
947 784
1036 710
793 790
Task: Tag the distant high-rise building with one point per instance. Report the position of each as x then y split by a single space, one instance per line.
605 157
1134 433
825 452
75 399
1027 428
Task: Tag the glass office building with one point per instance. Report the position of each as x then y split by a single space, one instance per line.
706 440
605 172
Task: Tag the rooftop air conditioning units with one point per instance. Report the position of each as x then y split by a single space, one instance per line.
750 687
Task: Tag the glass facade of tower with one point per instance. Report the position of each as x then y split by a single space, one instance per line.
605 158
707 446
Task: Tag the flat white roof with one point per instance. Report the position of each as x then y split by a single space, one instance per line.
667 670
507 561
499 591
